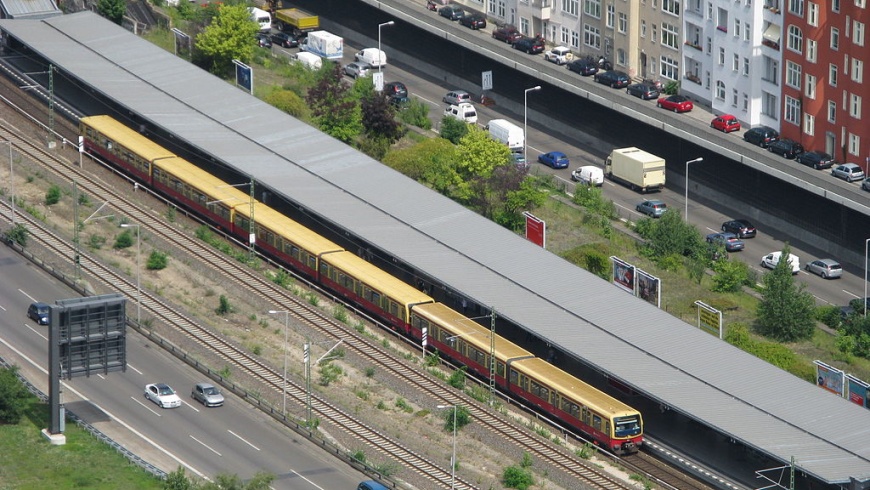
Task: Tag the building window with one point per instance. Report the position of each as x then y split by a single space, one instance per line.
835 6
795 39
707 80
860 3
792 110
746 67
575 39
793 75
642 28
565 35
857 70
720 90
735 62
671 6
745 102
813 14
771 70
810 86
832 75
747 31
670 68
655 34
812 49
609 18
620 57
835 38
832 111
622 25
721 56
592 8
734 98
709 10
796 7
722 22
501 8
670 35
855 106
736 27
857 33
854 144
809 124
709 45
524 25
569 7
591 36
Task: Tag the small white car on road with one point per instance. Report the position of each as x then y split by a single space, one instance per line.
463 112
162 395
559 55
770 260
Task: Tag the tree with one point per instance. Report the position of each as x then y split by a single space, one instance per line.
785 312
730 275
669 236
379 118
113 10
178 480
14 397
478 154
157 261
229 36
123 240
431 162
333 107
287 101
453 130
463 418
260 481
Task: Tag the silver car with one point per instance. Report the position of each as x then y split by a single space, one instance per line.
652 208
207 394
357 69
849 172
827 268
456 97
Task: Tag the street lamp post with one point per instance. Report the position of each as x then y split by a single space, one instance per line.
380 60
284 388
526 118
699 159
452 458
866 243
11 181
306 357
138 271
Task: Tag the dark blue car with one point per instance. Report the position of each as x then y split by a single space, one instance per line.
555 159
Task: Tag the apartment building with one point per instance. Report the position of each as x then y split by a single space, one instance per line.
823 87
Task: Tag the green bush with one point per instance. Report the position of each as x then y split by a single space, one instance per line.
457 379
123 240
730 275
516 477
95 242
52 196
17 234
224 306
157 260
416 114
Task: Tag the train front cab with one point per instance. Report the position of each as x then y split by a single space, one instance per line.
608 421
121 146
374 290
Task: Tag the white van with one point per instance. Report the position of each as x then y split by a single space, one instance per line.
508 133
309 60
463 112
261 17
372 56
588 175
770 260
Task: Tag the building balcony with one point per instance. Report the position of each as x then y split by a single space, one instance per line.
693 78
770 44
541 9
693 45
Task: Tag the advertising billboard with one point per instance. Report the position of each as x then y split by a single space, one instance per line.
536 230
244 76
623 274
858 391
649 288
829 377
709 319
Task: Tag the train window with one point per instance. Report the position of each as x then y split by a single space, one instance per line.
596 421
324 269
499 368
108 145
607 427
514 377
477 356
394 309
540 391
312 262
570 407
291 250
584 415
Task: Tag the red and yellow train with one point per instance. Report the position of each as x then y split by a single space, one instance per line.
609 422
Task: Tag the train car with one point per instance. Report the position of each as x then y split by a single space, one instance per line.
464 340
375 290
615 425
121 146
282 238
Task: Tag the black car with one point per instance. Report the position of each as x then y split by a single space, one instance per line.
614 78
815 159
645 92
761 136
473 21
583 66
451 12
285 40
531 45
395 90
785 147
740 227
263 41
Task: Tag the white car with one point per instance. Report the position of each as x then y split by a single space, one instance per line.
559 55
770 260
463 112
588 175
163 395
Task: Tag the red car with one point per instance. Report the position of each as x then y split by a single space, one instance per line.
508 34
676 103
725 123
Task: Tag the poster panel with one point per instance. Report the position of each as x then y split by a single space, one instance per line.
623 274
536 230
648 288
829 377
858 391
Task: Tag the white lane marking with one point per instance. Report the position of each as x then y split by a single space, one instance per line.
120 421
243 439
190 405
37 332
134 369
147 407
306 479
31 298
436 104
2 308
850 293
205 445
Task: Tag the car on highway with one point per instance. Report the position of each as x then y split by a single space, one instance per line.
826 268
463 112
588 175
508 34
728 240
284 39
473 21
866 184
163 395
371 485
614 78
207 394
264 41
395 89
761 136
38 312
452 12
456 97
357 69
555 159
849 172
559 54
770 260
725 123
740 227
519 160
816 159
583 66
785 147
529 45
642 90
676 103
654 208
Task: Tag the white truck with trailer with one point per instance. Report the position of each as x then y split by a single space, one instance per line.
508 133
324 44
636 168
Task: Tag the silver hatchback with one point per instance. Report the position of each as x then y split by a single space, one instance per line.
827 268
849 172
207 394
456 97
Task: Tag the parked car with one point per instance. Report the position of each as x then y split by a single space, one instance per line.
508 34
761 136
676 103
531 45
473 21
38 312
725 123
452 12
645 92
653 208
399 101
284 39
827 268
560 55
815 159
555 159
785 147
456 97
395 89
614 78
770 260
849 172
583 66
162 395
264 41
866 184
207 394
463 112
740 227
357 69
728 240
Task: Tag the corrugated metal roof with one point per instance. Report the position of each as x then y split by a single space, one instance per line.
680 366
30 9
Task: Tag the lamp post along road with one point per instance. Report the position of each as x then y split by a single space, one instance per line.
699 159
452 458
866 243
380 57
526 119
138 271
11 182
284 386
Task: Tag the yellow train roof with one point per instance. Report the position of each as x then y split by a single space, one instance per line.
286 228
126 137
207 184
469 330
376 278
